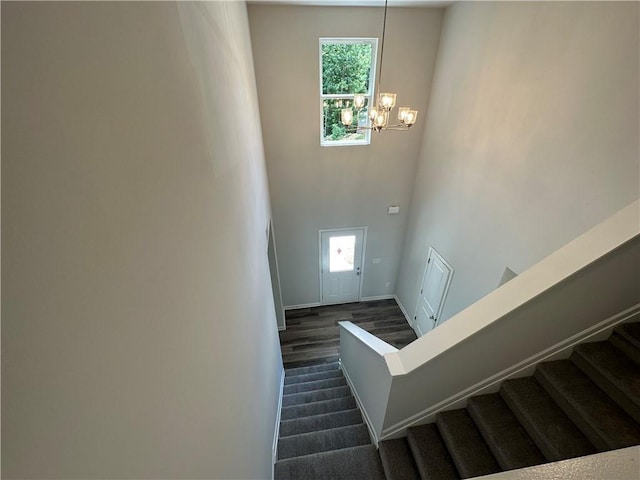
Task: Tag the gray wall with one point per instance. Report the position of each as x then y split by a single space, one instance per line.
138 333
314 187
531 138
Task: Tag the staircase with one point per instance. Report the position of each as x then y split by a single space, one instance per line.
322 435
587 404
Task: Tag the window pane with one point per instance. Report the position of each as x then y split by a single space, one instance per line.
346 68
341 253
333 129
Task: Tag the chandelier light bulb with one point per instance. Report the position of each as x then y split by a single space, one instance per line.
410 117
346 116
381 119
358 101
387 101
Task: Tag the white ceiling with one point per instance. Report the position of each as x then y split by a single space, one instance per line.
358 3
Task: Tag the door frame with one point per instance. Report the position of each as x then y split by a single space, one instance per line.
362 269
432 252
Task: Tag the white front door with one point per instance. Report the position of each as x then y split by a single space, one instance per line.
340 265
435 283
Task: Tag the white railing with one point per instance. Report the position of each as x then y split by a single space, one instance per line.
362 357
595 277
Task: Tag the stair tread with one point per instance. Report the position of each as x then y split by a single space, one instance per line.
312 377
347 464
292 372
397 460
315 396
430 453
509 442
317 408
322 441
315 385
613 371
547 424
604 423
626 346
323 421
630 331
471 455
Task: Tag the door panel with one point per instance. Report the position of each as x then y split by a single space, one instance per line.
435 283
341 265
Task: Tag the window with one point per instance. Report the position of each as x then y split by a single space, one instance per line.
341 250
347 67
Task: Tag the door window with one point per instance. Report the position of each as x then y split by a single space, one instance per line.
341 253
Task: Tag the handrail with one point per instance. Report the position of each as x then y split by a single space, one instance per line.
374 343
548 303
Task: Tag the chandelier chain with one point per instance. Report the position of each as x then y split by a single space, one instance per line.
384 28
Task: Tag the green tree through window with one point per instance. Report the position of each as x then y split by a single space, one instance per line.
347 68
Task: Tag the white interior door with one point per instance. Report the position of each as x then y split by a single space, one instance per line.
435 283
341 265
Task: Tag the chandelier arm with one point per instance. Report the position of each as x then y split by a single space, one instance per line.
401 127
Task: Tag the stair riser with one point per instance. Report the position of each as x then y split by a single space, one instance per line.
311 386
315 396
430 453
320 422
318 408
292 372
607 384
549 427
625 346
312 377
605 425
469 452
397 460
348 464
508 441
323 441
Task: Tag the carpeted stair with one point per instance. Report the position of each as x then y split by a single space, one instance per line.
322 435
569 408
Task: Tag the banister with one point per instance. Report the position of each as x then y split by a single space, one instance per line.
593 277
362 356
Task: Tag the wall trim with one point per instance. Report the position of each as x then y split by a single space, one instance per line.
367 420
524 368
376 297
302 305
406 315
276 433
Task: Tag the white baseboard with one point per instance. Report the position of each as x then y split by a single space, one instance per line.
376 297
302 305
526 367
406 315
276 433
365 415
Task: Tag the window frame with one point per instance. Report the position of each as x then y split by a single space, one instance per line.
369 96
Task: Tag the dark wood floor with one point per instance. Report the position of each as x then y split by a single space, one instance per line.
312 336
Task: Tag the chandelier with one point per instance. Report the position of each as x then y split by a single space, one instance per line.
379 114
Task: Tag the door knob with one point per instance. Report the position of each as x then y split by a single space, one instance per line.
432 317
